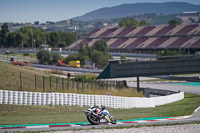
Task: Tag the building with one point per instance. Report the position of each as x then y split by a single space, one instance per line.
146 39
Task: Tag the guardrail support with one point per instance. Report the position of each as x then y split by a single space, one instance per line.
138 83
21 87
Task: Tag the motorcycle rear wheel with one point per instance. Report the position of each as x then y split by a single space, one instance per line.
92 119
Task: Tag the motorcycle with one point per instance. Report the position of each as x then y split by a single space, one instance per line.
96 116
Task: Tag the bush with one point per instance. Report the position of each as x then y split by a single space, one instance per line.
44 57
174 22
123 57
99 58
167 52
85 77
26 54
55 57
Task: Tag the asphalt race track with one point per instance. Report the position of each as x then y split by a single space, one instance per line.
168 86
66 68
145 121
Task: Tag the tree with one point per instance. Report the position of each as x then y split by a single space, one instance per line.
84 53
26 33
11 39
99 58
28 37
36 22
128 22
98 54
123 57
3 32
100 45
54 38
39 35
44 57
174 22
70 57
67 38
110 57
143 23
19 39
131 22
55 57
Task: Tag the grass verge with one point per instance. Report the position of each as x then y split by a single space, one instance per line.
18 114
10 80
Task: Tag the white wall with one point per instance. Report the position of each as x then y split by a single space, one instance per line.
70 99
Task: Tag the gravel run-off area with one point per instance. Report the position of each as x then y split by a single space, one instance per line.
189 128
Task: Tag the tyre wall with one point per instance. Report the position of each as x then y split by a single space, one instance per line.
70 99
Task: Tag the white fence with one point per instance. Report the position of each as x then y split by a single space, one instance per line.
70 99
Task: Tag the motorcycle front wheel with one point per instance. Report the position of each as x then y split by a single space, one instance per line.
113 120
93 119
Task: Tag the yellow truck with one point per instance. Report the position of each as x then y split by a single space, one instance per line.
75 63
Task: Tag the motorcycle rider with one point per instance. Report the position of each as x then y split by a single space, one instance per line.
98 110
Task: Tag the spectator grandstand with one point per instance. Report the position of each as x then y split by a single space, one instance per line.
145 38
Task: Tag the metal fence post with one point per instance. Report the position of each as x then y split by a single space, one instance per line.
68 83
62 83
87 84
56 83
35 81
50 82
138 83
99 84
95 84
103 82
107 85
43 83
77 85
73 84
115 84
21 87
82 84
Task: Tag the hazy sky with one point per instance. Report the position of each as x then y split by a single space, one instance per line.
56 10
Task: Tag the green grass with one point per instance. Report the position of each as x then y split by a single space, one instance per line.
18 114
22 55
10 80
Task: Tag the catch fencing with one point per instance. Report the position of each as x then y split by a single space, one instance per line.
71 99
30 82
7 58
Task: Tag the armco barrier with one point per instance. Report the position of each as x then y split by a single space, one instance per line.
70 99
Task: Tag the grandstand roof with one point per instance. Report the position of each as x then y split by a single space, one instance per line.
145 37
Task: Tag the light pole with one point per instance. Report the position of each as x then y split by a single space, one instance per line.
76 37
35 47
32 38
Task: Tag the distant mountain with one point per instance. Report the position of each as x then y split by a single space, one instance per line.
125 10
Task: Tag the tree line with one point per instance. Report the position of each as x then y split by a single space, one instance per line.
28 37
97 54
132 22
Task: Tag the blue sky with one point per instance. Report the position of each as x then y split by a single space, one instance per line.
56 10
